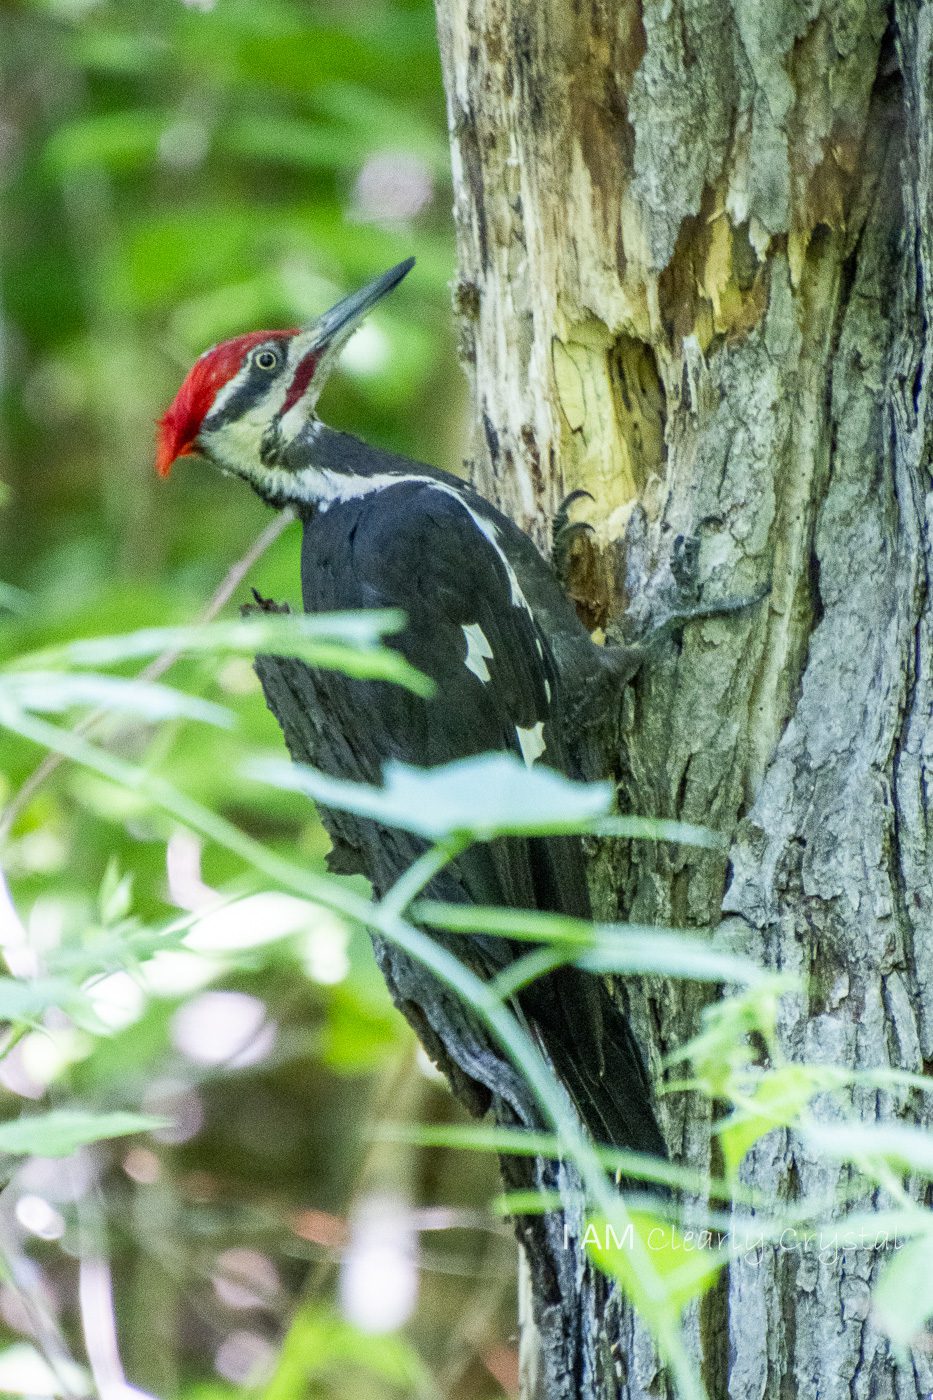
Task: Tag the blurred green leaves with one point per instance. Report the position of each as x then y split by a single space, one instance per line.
114 141
62 1131
174 174
476 798
51 692
322 1349
192 172
349 642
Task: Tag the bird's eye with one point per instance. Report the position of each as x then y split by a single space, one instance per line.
266 359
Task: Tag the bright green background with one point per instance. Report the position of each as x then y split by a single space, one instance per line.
173 174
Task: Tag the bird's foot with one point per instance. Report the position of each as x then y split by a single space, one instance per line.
564 535
626 660
716 607
686 606
265 605
562 520
623 662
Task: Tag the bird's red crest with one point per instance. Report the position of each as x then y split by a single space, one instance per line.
178 429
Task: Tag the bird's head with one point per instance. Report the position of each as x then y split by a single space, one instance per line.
245 400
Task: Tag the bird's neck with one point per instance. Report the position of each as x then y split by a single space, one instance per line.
321 467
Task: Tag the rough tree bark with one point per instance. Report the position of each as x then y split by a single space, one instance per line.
695 279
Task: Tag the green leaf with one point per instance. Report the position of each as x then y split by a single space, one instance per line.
285 634
319 1344
112 51
600 948
272 48
115 896
721 1053
659 829
777 1102
11 598
221 312
526 1203
62 1131
521 1142
52 692
361 1033
124 947
903 1299
171 252
246 635
25 1000
284 140
483 797
668 953
685 1265
871 1145
525 925
365 112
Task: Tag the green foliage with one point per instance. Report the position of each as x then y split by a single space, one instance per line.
60 1133
661 1265
476 799
904 1296
321 1349
175 173
777 1101
685 1265
601 948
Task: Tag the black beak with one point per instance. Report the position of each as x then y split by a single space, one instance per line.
337 324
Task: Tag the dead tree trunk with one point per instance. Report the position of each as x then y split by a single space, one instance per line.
696 263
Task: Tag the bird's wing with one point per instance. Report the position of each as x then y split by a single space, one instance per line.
419 548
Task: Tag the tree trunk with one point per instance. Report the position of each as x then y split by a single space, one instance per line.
695 280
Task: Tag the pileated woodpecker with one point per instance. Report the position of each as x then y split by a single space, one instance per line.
487 620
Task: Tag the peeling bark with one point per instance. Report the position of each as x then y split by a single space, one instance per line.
695 279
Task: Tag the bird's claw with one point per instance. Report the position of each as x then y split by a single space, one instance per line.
561 519
266 605
722 607
685 559
565 533
562 556
698 612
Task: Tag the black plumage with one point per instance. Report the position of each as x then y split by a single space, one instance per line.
386 532
513 668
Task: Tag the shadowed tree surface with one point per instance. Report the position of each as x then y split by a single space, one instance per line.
694 279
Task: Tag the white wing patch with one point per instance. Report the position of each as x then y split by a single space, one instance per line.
531 742
478 651
488 529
